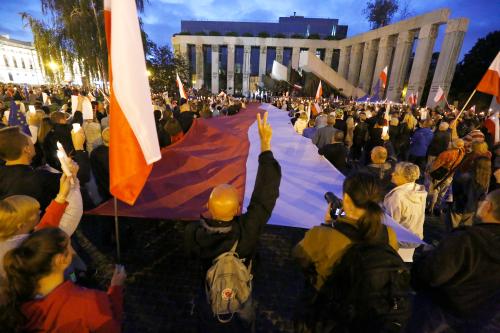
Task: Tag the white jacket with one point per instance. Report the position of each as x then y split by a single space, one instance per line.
300 125
406 205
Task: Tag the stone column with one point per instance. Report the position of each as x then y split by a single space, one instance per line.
328 57
183 50
215 69
279 54
199 66
399 66
246 69
355 64
384 57
368 64
262 61
230 69
445 68
422 61
295 57
345 53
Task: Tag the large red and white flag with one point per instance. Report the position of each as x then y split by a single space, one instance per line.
439 95
319 92
180 184
490 83
383 77
182 92
133 146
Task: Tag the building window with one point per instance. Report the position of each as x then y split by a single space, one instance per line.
14 61
6 60
22 63
31 64
11 78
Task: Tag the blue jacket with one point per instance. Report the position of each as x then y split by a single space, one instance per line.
420 141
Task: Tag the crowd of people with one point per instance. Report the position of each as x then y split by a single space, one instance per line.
399 161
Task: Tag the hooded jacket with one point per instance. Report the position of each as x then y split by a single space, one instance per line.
406 205
207 239
420 141
463 272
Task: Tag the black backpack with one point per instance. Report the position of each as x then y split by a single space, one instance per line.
368 290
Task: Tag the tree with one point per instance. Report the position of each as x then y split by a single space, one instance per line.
405 10
380 12
74 32
471 70
163 66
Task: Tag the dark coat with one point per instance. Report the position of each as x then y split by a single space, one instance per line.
208 243
439 143
61 133
336 153
463 272
99 160
24 180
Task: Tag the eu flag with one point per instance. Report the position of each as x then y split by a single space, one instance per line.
17 118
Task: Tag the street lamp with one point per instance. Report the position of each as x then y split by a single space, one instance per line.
53 66
148 72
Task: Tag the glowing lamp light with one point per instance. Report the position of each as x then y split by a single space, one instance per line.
385 129
76 127
53 66
148 73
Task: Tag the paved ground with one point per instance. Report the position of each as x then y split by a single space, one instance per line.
162 283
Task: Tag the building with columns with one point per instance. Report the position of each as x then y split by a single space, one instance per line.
232 62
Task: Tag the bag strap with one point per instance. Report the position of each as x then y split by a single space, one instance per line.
347 230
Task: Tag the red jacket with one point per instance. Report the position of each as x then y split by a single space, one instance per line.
52 216
70 308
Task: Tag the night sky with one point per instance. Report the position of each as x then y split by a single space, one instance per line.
162 17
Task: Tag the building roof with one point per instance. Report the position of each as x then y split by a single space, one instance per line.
288 26
16 42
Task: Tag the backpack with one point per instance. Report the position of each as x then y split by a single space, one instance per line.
228 284
368 290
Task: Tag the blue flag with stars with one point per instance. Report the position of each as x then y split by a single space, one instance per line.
17 118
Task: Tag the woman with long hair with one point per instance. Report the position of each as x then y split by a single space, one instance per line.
38 298
323 246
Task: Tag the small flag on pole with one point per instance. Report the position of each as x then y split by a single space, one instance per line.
439 95
319 92
490 83
17 118
182 92
383 77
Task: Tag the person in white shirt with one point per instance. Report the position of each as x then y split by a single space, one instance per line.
406 202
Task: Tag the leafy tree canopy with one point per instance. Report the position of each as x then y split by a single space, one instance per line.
380 12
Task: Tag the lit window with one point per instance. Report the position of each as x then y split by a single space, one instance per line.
5 60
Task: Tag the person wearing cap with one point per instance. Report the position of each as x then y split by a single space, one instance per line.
224 226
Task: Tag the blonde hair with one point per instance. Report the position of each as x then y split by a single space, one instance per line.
409 171
14 212
480 147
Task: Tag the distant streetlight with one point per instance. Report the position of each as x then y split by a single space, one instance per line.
148 72
53 66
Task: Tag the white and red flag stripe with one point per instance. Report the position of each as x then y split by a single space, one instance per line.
383 77
490 83
439 95
319 92
182 92
133 146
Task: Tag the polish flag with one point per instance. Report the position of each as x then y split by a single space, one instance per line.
490 83
182 92
439 95
133 146
183 170
319 92
383 77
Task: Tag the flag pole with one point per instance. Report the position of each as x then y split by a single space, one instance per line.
465 105
117 231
